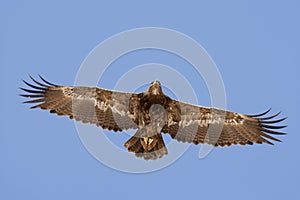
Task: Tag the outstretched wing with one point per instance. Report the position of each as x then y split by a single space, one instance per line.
195 124
105 108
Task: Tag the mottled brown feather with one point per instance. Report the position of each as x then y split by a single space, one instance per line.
51 97
184 122
252 130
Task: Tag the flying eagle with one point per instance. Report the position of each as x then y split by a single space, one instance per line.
152 113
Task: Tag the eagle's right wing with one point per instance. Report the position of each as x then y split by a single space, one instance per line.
197 124
109 109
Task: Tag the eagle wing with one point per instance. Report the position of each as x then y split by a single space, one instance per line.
105 108
196 124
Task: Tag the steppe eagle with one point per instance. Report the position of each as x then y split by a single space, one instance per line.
152 113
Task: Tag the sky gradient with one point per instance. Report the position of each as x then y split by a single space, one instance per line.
255 45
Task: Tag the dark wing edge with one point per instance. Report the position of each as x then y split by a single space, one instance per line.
37 92
86 104
236 128
266 125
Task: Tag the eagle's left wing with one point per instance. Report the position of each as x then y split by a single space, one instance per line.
105 108
196 124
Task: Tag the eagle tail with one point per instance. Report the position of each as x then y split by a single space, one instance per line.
151 147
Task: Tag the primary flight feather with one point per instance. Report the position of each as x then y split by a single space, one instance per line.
152 113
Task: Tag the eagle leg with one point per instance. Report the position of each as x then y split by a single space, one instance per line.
147 147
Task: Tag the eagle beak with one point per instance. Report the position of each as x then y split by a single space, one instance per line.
155 82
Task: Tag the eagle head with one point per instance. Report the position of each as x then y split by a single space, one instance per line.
155 88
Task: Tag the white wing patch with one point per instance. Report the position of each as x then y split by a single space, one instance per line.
102 105
185 123
234 122
69 91
114 109
206 122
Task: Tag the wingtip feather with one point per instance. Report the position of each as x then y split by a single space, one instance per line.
41 84
51 84
260 114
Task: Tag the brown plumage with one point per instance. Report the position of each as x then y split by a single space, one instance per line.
152 113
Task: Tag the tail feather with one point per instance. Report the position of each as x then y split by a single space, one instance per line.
152 147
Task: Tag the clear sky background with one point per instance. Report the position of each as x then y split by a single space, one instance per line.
255 45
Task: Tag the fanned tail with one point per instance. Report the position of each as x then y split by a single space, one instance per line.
151 147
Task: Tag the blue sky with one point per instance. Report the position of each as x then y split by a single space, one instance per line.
255 45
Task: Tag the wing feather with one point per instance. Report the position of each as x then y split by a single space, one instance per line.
198 124
105 108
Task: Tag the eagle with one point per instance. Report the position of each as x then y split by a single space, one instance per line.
152 113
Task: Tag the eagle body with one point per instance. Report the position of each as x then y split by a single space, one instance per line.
152 113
